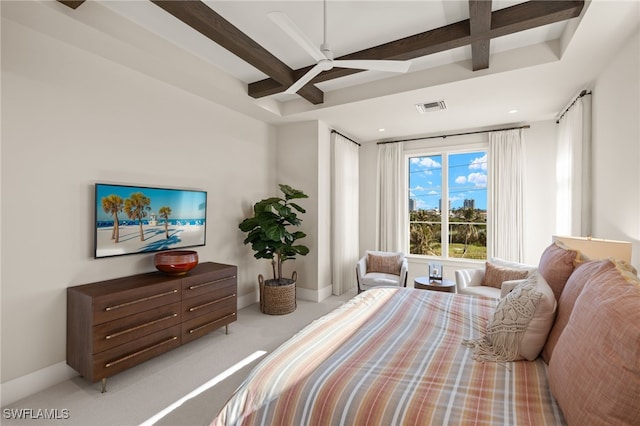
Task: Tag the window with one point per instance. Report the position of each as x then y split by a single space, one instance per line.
448 204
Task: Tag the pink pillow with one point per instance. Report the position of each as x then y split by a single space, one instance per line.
386 264
577 281
494 275
594 373
556 265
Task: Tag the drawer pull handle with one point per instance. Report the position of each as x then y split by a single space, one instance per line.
144 299
138 327
195 308
195 286
141 351
193 330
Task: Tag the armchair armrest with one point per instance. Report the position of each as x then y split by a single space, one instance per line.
361 267
404 272
468 278
507 286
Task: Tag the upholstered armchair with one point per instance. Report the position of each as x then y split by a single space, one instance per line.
488 281
378 268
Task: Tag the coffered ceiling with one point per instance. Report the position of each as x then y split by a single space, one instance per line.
478 54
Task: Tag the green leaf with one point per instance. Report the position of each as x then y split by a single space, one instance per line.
297 207
248 224
266 204
301 250
297 235
291 193
274 231
283 210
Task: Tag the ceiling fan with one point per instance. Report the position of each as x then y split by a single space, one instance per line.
324 55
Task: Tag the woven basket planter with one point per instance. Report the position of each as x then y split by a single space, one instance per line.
277 299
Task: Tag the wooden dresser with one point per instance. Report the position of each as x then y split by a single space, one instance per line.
115 324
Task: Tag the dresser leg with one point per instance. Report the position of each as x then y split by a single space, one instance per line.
226 329
104 385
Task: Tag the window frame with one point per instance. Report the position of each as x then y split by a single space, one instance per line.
445 150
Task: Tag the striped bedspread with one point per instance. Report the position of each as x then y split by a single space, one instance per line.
392 356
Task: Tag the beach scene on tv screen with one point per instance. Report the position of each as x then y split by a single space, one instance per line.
138 219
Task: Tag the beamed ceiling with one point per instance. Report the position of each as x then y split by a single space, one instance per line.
495 63
483 25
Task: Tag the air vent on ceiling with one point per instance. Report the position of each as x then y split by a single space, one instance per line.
431 106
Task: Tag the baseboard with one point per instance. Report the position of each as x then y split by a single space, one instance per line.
301 293
248 299
31 383
314 295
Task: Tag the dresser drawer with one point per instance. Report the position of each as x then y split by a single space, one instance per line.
220 298
120 358
131 301
203 324
114 333
216 281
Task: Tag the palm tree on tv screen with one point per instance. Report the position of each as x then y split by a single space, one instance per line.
136 207
164 213
112 204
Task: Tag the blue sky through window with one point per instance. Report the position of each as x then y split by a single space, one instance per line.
467 180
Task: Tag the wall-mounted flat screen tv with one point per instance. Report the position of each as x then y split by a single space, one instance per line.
138 219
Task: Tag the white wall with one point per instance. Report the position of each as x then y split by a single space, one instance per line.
539 198
71 118
616 148
303 157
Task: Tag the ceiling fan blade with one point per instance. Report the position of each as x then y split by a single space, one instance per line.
291 29
304 79
374 65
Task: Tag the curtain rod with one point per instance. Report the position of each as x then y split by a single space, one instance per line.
454 134
583 93
346 137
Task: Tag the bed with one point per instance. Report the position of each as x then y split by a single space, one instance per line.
393 356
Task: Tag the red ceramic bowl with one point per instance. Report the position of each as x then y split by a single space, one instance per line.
176 262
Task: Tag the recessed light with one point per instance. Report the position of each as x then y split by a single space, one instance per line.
381 130
513 111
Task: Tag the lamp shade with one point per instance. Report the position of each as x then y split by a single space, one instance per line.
595 248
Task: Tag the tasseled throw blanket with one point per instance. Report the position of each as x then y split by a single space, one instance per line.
509 323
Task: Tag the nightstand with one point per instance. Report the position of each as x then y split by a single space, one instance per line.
423 283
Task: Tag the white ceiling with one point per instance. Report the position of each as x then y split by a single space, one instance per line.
535 72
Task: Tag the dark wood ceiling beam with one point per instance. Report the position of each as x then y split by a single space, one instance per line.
532 14
73 4
480 24
206 21
423 44
521 17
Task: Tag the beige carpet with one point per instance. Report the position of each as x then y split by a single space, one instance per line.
197 411
136 395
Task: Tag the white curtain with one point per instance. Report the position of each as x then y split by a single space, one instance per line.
505 224
573 170
391 197
345 239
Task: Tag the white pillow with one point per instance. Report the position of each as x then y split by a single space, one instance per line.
513 265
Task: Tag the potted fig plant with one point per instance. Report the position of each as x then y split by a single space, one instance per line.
270 233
